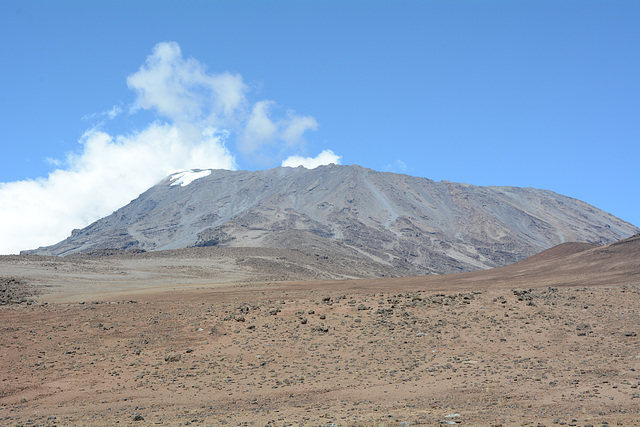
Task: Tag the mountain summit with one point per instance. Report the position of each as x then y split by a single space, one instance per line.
411 225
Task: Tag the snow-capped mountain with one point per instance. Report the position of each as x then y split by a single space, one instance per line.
412 225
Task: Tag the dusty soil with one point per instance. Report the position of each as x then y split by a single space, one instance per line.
550 340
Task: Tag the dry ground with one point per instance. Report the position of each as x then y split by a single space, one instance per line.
551 340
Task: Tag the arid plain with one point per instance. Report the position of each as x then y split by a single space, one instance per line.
253 337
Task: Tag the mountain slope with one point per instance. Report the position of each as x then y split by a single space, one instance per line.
412 225
567 264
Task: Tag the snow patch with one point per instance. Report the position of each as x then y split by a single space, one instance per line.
185 178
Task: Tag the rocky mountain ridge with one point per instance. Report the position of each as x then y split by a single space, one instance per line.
407 224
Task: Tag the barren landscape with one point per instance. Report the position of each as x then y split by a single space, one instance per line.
254 337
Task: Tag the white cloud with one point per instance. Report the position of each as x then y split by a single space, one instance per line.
295 126
182 90
261 130
397 167
114 111
53 162
204 110
326 157
111 113
107 174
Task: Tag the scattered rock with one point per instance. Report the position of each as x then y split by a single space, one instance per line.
16 291
172 356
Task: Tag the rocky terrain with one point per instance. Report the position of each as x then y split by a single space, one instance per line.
551 340
15 291
398 224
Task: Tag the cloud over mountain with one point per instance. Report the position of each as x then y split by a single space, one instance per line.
326 157
182 90
200 117
109 172
261 130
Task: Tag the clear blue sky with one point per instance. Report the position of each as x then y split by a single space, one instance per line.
528 93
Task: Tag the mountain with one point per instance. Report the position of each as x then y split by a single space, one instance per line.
408 224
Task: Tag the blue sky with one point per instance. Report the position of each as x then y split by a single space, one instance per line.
98 99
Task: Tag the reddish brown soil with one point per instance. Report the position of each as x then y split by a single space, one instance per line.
551 340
